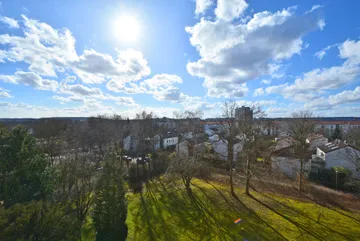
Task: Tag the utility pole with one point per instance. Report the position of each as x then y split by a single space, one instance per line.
336 179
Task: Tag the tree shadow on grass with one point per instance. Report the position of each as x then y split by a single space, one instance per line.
317 234
319 197
256 223
306 220
180 216
147 214
251 230
255 228
331 207
195 214
207 213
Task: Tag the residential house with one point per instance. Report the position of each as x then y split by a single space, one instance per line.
315 140
214 138
189 148
130 143
283 159
156 142
221 148
337 153
170 141
283 145
289 166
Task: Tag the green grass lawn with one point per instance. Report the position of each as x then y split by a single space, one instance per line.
165 211
88 232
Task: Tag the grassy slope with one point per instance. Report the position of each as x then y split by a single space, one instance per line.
168 212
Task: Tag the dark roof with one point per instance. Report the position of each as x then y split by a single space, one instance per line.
332 146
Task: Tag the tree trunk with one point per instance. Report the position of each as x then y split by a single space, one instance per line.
301 188
231 184
247 176
230 158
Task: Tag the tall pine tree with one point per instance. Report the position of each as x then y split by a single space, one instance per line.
25 172
336 134
110 204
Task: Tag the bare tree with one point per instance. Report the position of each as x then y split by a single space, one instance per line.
189 127
49 133
229 134
300 126
143 130
352 137
254 147
143 115
186 168
77 179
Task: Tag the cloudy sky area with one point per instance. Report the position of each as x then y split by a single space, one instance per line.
82 58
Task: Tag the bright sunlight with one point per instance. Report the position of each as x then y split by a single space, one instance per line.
127 28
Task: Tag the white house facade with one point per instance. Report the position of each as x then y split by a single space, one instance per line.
288 166
221 148
170 141
339 154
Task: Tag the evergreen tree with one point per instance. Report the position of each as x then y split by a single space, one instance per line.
110 204
336 134
38 221
25 172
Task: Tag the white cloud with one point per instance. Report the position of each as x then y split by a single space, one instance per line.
311 83
346 96
94 67
320 54
24 110
334 105
321 23
4 93
72 98
234 53
350 50
81 93
202 6
314 7
42 47
12 23
318 104
161 86
258 92
258 103
279 111
30 79
266 18
77 89
230 9
265 82
48 51
161 80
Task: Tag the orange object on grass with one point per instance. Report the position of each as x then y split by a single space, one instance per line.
237 220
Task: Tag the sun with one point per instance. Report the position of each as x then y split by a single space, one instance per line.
127 28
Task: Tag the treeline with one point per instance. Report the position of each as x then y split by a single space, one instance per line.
65 176
43 200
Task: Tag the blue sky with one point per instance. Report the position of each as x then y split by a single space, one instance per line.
83 58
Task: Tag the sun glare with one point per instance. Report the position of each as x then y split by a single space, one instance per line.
127 28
